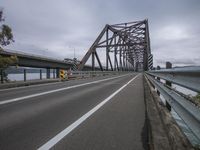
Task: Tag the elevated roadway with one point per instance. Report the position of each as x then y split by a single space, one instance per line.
36 61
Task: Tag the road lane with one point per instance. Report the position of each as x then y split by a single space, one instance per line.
29 90
60 136
3 102
29 124
119 125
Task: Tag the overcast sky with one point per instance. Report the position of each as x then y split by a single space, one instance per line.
57 27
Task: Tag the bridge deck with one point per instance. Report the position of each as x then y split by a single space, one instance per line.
32 116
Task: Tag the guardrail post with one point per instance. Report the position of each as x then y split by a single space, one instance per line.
168 66
1 75
24 75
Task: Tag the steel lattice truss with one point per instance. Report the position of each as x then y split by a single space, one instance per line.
128 42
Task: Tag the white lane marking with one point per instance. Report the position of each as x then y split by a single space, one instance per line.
70 128
57 90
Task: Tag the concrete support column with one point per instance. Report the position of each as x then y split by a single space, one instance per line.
136 66
48 73
40 74
1 73
57 73
54 74
24 75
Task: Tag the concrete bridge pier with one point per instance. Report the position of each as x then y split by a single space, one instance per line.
48 73
1 74
54 74
24 75
57 72
40 74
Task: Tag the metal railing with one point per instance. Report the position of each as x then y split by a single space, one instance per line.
87 74
187 77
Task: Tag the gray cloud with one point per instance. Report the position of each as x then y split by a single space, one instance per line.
59 27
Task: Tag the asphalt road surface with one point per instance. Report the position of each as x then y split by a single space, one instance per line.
101 113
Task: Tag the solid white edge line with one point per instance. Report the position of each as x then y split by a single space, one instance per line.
57 90
71 127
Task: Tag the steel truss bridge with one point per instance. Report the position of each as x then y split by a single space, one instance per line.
127 43
114 107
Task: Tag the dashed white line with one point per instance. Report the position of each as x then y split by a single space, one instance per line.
70 128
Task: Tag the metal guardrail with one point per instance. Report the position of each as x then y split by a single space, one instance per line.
188 77
81 74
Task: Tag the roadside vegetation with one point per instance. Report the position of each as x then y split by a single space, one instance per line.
6 37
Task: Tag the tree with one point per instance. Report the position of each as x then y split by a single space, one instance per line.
5 62
6 37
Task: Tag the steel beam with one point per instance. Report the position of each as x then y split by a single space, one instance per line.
99 62
93 61
91 49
